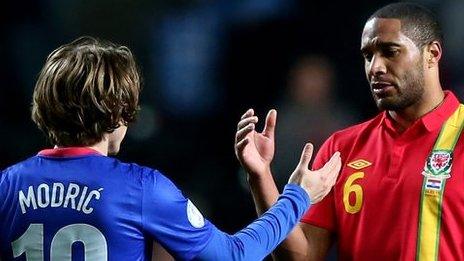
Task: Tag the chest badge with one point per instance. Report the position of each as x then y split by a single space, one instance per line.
359 164
438 165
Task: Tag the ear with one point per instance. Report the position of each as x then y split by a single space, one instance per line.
433 52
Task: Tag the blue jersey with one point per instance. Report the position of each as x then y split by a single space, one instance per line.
75 204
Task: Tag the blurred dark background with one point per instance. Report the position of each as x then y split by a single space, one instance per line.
204 64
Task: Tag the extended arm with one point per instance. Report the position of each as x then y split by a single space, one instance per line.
260 237
255 152
179 226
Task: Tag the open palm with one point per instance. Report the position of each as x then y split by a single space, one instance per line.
255 150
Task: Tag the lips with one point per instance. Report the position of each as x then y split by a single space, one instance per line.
382 88
381 85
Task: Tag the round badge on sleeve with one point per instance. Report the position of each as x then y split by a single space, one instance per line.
194 216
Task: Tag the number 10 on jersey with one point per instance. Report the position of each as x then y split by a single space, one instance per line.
32 243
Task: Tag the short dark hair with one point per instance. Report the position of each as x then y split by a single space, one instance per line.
85 89
417 22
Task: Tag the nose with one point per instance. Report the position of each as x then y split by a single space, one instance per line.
377 66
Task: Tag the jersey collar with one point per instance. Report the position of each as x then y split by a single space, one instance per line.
433 119
68 152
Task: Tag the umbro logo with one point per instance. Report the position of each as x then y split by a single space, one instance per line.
359 164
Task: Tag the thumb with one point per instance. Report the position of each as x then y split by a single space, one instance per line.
269 127
306 155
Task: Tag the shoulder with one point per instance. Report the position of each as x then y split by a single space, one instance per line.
150 177
17 168
126 168
131 167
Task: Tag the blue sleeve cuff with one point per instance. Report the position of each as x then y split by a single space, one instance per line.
298 191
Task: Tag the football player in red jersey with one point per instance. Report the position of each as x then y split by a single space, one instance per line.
390 201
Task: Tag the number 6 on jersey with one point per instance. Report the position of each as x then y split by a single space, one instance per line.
349 188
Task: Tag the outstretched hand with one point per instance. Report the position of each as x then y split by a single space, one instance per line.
255 150
317 183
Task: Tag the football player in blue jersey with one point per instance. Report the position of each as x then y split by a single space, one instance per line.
73 202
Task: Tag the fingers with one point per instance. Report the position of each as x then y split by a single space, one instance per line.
327 176
241 145
331 169
245 125
269 127
241 133
331 164
248 113
306 155
246 121
333 175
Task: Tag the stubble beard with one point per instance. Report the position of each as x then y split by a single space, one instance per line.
410 92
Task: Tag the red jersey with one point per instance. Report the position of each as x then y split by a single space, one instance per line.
374 207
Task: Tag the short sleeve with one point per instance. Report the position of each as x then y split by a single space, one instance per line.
172 219
322 214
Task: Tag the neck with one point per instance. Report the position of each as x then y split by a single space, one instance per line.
101 147
429 101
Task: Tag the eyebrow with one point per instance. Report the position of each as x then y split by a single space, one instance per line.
380 44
